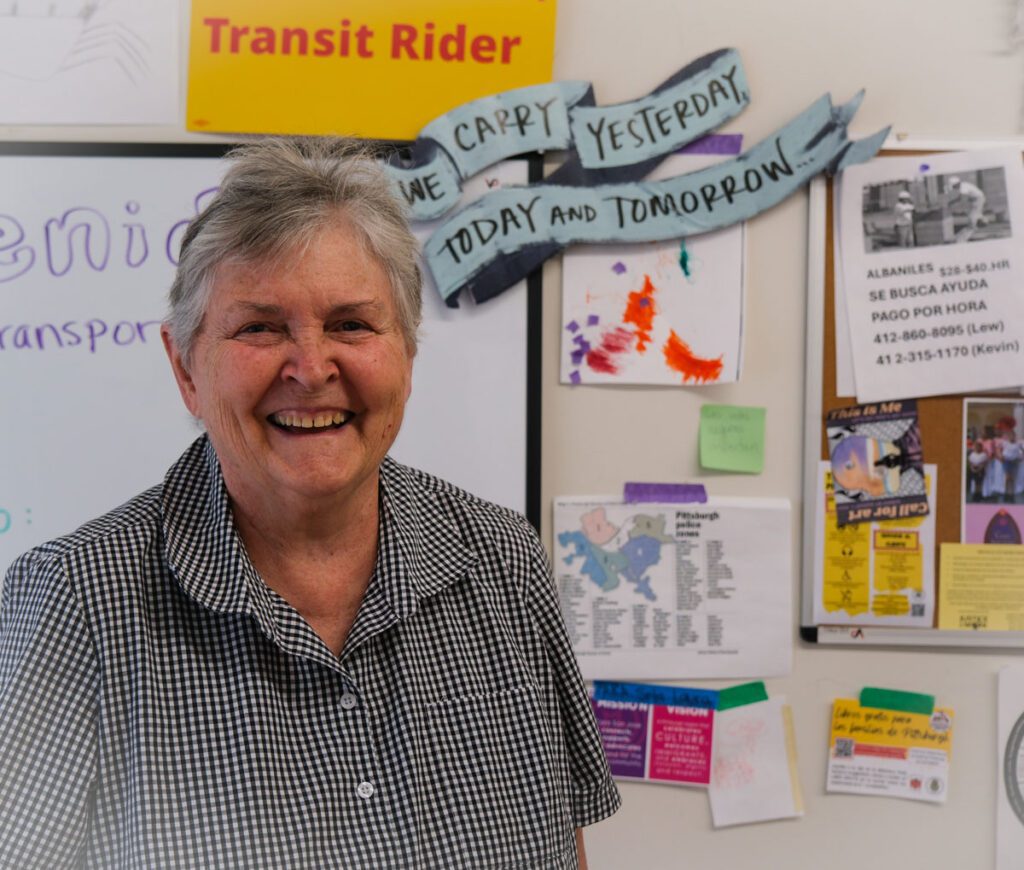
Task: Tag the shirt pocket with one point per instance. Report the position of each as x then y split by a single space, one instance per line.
491 796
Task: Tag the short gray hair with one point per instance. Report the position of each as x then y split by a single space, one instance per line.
276 197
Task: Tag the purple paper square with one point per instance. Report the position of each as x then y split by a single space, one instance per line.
619 267
593 320
574 377
624 735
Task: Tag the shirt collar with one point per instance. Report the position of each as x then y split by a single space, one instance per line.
420 549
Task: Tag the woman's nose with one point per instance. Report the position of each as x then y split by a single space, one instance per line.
311 361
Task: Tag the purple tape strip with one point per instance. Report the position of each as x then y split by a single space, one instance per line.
715 143
664 493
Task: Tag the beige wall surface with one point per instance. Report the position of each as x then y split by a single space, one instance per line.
935 69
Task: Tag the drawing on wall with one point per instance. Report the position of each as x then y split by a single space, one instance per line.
657 313
88 61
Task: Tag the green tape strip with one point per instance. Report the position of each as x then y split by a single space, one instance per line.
738 696
904 702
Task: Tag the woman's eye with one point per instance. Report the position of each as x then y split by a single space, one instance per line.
254 328
351 326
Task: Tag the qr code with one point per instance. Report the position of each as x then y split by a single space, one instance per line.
973 620
844 747
917 610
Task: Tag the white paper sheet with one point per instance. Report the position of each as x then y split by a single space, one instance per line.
89 62
659 313
656 591
935 306
1010 767
751 770
846 384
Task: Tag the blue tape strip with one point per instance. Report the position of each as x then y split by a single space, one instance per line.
646 693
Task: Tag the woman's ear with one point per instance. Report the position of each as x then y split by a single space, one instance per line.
186 386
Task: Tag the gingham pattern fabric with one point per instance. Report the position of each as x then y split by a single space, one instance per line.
161 707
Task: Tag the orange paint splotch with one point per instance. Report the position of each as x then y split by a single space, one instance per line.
680 358
640 311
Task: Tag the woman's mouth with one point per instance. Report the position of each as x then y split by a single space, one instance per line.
292 421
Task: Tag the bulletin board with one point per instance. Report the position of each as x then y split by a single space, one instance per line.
88 241
942 433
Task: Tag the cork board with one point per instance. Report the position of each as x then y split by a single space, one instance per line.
942 434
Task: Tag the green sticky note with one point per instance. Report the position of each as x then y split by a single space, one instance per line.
891 699
732 438
740 696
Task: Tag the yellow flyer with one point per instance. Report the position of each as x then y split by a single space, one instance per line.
890 752
873 573
370 69
981 587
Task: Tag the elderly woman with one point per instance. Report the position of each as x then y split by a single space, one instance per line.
294 652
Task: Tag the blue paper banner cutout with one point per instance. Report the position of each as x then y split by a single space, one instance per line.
497 240
665 120
696 99
646 693
664 493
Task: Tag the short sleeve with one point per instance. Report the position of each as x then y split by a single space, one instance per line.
48 712
594 795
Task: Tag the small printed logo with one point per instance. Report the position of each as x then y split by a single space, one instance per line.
940 721
936 785
915 784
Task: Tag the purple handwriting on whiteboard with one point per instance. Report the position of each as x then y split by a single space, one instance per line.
88 335
82 236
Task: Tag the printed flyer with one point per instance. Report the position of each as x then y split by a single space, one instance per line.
875 573
675 591
656 733
933 273
876 457
890 751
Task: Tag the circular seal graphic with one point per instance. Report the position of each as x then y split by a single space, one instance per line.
940 721
1012 762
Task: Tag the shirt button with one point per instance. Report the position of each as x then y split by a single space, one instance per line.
364 790
348 701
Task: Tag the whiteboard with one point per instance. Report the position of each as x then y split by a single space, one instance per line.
92 415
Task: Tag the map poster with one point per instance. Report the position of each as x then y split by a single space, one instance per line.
662 591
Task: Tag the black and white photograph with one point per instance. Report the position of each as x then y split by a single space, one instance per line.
936 209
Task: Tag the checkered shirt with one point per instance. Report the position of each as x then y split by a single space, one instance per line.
161 706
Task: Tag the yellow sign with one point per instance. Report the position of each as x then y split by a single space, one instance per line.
981 587
375 70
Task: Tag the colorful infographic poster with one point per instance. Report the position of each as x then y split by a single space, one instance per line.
675 591
890 752
660 312
662 737
933 273
876 573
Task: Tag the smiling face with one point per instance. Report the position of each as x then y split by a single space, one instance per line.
300 374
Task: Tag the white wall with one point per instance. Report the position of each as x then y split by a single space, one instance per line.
932 68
